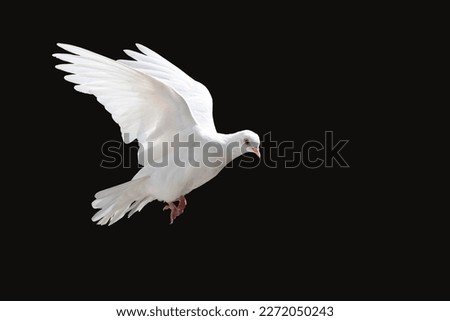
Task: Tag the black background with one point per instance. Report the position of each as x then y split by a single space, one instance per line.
362 233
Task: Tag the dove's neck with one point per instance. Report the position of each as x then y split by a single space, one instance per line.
232 145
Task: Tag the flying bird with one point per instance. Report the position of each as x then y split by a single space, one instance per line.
169 114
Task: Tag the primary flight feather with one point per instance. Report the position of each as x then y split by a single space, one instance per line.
169 113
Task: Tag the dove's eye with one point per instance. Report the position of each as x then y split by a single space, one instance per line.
246 142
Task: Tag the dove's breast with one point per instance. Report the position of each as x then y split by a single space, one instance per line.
178 178
187 168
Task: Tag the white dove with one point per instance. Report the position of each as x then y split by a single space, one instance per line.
169 113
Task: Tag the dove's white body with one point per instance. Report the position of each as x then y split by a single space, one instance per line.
154 102
174 180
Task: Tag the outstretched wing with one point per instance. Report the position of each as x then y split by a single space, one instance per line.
144 107
195 93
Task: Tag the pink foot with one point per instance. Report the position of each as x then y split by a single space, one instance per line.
176 211
182 203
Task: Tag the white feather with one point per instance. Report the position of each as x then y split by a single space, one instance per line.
194 93
128 95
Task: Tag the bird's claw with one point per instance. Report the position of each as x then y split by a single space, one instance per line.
176 210
175 213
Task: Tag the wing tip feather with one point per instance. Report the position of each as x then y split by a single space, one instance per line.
145 50
64 46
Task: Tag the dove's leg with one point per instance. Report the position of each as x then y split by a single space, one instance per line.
182 203
176 211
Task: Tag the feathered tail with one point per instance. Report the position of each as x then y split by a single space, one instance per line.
116 201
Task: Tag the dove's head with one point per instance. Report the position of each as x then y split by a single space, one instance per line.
249 142
240 143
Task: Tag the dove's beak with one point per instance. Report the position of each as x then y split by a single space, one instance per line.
256 151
